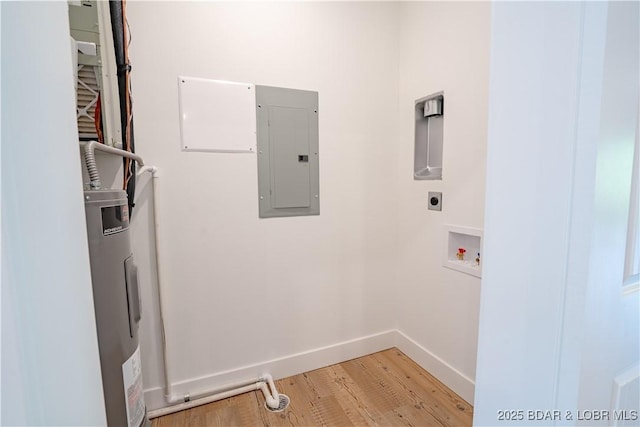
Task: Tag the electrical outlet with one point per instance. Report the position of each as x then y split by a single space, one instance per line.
435 201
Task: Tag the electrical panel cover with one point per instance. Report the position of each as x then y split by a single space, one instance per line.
287 134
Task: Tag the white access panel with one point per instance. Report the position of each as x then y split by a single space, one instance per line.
217 115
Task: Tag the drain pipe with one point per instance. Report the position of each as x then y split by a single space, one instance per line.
271 403
202 401
273 399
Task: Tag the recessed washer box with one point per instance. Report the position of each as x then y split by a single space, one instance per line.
287 134
429 128
469 239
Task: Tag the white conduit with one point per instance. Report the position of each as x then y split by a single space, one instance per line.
90 159
179 403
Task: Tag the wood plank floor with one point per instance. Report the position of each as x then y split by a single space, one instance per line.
381 389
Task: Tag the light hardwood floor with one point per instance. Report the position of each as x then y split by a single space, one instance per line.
381 389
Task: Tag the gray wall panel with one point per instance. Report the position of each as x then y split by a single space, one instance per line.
287 131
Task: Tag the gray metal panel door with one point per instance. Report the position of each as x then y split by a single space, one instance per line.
287 134
289 143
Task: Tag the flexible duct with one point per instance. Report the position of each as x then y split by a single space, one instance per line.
92 169
90 159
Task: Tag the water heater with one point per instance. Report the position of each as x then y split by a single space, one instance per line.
117 306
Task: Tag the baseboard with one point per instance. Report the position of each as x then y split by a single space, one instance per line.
279 368
320 357
450 376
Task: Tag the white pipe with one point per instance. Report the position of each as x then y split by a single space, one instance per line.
160 266
272 397
262 384
209 392
151 169
169 396
274 393
202 401
272 402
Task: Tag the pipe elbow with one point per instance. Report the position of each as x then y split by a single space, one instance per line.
271 401
153 170
172 399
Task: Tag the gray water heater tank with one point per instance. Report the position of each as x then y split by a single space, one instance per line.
117 306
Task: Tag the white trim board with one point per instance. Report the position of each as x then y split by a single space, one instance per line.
320 357
445 373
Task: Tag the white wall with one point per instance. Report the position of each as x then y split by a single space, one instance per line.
369 263
544 120
50 365
443 46
244 291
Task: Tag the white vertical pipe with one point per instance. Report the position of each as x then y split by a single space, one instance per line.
269 379
271 402
271 396
160 266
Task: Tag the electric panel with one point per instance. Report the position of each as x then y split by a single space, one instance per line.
287 137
